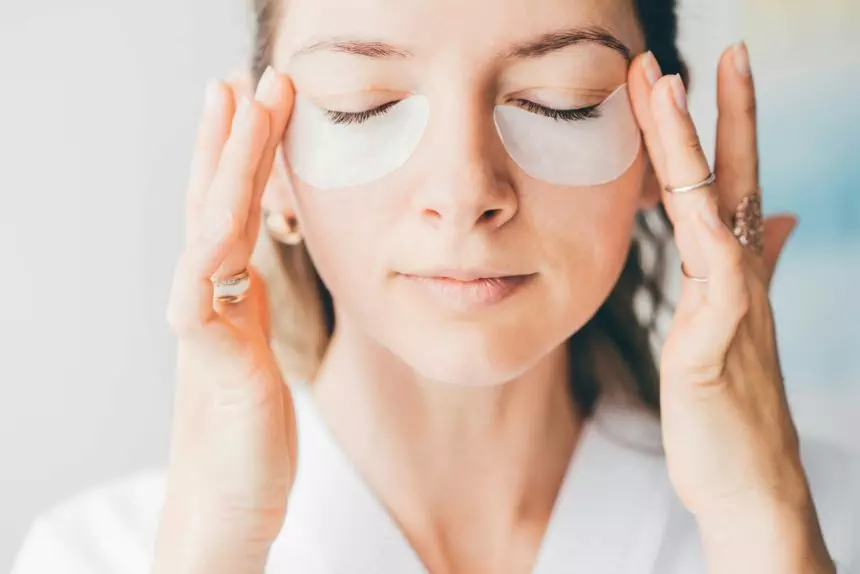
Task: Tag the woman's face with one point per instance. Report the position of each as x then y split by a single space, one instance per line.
400 254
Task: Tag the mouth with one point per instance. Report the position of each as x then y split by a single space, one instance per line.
467 289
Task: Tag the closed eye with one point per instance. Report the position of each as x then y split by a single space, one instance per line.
347 118
572 115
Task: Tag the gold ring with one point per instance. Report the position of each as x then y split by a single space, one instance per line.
232 289
688 188
748 223
692 277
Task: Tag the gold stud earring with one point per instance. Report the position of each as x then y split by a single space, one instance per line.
284 228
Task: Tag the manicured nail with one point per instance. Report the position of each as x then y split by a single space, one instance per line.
266 82
212 99
710 217
679 93
651 67
217 225
740 55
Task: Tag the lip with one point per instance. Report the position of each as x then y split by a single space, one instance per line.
463 275
468 289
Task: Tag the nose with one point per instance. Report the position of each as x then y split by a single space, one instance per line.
467 185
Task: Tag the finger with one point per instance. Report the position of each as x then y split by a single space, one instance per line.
234 181
777 231
642 75
275 94
736 161
218 109
728 300
685 164
189 309
241 82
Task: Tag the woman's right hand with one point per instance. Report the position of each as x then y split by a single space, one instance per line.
233 445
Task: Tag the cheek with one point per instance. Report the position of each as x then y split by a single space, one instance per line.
587 217
584 236
343 236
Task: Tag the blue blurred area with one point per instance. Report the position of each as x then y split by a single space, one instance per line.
810 145
811 162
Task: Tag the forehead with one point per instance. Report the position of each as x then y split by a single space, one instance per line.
465 28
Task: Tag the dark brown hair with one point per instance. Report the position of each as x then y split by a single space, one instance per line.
614 349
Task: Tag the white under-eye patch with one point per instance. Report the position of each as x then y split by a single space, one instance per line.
327 155
581 152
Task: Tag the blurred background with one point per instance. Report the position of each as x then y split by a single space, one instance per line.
100 100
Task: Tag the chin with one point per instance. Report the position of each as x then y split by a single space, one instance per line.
473 355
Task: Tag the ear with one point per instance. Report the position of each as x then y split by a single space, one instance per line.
651 189
279 205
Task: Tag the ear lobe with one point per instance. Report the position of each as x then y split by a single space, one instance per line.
651 190
278 205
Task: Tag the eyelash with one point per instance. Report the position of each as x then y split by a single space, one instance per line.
347 118
573 115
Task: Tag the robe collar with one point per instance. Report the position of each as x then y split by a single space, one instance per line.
610 515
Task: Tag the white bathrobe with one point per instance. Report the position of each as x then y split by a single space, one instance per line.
616 513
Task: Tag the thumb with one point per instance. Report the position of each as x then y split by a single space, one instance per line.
777 230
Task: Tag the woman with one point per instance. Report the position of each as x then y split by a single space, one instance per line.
471 186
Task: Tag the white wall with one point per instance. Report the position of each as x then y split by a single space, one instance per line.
98 106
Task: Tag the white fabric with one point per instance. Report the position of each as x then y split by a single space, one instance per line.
616 513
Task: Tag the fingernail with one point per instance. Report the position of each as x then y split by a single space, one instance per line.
652 68
709 216
212 99
267 81
679 93
740 55
217 225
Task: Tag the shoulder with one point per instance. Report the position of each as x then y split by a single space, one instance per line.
105 529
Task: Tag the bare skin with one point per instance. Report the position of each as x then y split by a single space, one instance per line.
459 390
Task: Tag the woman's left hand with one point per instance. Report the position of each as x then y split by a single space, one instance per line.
731 446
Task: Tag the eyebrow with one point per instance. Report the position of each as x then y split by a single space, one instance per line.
543 45
356 47
558 40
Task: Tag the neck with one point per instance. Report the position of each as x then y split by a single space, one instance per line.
444 457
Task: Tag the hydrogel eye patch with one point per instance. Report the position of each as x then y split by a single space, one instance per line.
582 152
329 155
